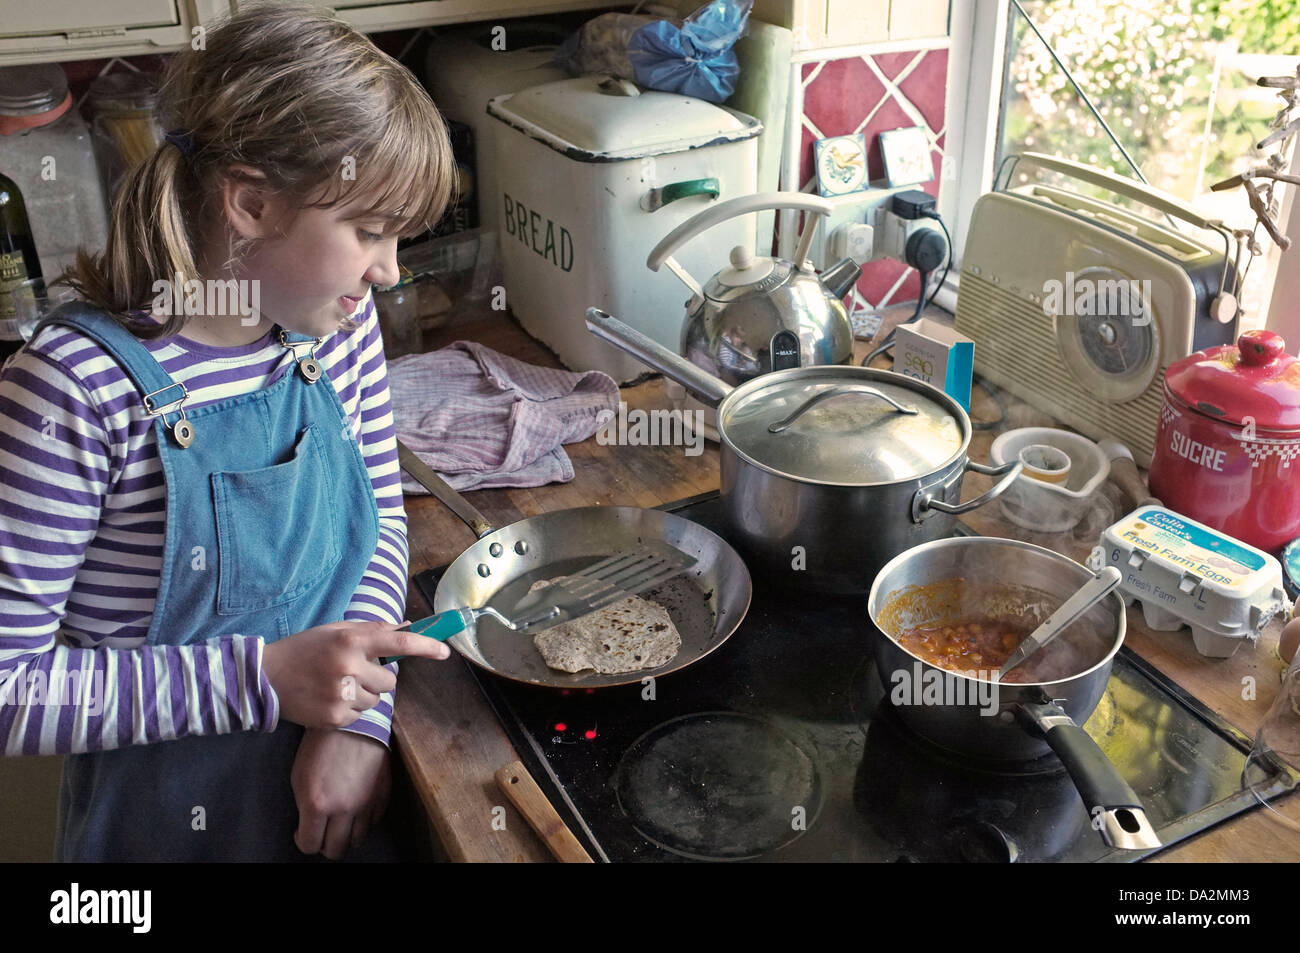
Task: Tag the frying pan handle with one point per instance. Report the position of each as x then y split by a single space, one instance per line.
441 627
1113 807
429 479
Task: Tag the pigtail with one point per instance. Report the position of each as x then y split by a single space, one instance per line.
149 241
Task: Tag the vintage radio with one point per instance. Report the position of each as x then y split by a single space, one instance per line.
1077 304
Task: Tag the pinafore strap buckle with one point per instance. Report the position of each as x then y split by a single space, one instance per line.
308 366
182 431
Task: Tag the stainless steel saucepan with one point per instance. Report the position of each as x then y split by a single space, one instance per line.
828 472
706 604
982 579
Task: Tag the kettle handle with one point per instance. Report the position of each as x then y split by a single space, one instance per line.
731 208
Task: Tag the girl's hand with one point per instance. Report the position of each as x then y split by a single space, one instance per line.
341 782
325 675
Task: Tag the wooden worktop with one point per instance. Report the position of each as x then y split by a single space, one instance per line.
452 744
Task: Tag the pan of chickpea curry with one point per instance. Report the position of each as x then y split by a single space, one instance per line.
947 614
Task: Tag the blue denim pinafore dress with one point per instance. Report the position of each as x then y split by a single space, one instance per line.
271 523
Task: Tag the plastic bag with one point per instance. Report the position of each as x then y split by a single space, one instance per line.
693 57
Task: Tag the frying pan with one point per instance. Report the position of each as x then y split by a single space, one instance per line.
706 604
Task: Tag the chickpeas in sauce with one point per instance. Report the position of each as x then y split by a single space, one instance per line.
967 647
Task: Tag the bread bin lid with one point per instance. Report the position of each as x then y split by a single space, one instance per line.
853 438
1254 378
601 119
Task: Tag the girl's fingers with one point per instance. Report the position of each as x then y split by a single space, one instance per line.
360 827
311 832
375 678
394 641
357 696
338 834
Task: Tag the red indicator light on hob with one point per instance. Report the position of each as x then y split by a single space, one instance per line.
564 691
590 691
560 726
590 734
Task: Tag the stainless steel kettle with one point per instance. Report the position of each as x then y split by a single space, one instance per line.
761 314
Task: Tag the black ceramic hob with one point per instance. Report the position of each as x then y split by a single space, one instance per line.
780 746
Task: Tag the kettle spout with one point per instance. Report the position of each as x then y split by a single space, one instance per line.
841 276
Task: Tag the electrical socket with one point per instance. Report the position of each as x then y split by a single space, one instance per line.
851 240
893 232
858 208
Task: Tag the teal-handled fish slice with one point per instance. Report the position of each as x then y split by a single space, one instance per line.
569 597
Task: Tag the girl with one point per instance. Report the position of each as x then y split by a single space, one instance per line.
198 468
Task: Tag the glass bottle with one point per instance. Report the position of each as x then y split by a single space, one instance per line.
45 148
18 262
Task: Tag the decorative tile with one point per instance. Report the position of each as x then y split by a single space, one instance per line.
878 278
847 95
891 64
889 116
933 185
926 87
842 95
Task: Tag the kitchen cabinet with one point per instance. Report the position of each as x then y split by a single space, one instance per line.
72 29
834 23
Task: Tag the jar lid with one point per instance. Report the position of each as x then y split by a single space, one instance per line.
32 90
1254 378
846 434
125 91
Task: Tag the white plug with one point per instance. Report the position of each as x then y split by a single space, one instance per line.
851 240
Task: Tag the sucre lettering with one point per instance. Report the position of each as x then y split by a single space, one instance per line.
1196 452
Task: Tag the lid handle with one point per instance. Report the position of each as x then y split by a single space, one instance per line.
1260 347
847 390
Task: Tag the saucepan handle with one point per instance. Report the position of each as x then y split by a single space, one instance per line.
609 328
924 503
1113 807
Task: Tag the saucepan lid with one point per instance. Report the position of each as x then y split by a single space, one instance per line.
851 426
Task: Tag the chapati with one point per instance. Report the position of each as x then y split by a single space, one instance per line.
624 636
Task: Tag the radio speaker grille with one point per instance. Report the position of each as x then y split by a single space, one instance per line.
1015 349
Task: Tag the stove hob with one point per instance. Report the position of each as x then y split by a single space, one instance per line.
780 746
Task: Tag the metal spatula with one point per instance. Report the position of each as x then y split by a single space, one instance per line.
1087 596
569 597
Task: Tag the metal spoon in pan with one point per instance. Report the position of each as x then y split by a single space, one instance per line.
1088 595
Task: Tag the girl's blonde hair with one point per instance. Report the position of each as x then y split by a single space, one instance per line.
296 94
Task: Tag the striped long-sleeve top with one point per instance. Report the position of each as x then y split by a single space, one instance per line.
81 542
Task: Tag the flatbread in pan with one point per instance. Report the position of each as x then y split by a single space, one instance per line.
627 636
